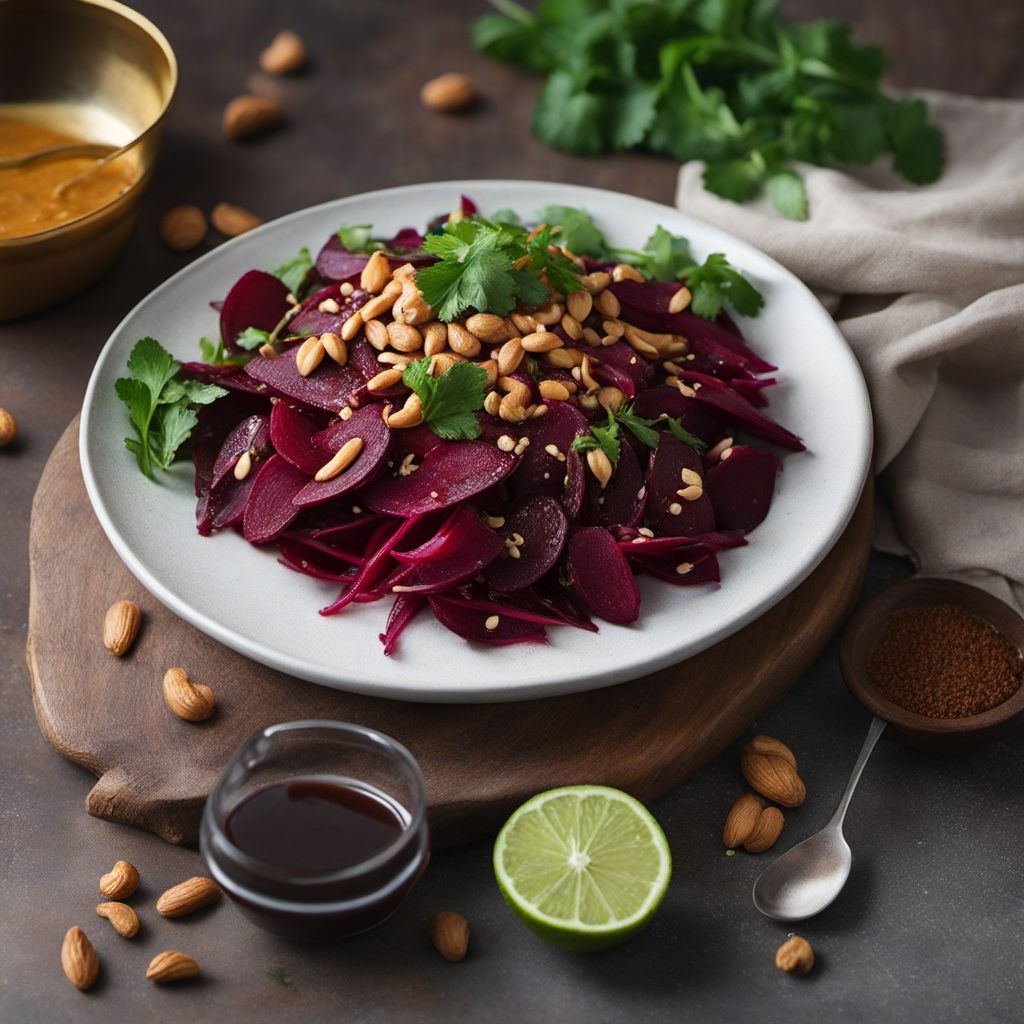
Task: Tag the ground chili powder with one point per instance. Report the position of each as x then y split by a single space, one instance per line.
943 662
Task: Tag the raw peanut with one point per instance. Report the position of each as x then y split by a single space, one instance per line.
549 315
600 465
611 398
765 832
607 304
120 881
488 328
183 228
551 390
741 819
335 347
376 274
510 355
795 956
625 272
680 300
121 627
122 918
310 355
770 769
187 897
79 959
404 337
579 304
543 341
233 220
448 92
410 415
343 458
449 932
194 702
435 338
250 115
171 966
284 56
462 341
596 282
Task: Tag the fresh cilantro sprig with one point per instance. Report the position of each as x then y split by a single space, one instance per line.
252 338
729 82
294 272
213 354
607 436
450 400
161 405
604 437
717 282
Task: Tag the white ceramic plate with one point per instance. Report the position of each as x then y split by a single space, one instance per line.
242 597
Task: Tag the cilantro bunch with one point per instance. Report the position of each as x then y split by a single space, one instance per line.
729 82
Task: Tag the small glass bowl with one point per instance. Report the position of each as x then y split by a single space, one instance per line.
319 905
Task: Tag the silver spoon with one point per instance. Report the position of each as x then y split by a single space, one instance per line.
66 152
807 878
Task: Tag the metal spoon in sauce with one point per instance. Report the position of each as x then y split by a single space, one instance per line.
807 878
68 152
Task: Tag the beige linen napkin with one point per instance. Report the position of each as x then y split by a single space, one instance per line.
927 285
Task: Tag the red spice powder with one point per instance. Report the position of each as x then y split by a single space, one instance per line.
943 662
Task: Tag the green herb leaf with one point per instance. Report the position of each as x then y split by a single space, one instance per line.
680 432
916 142
358 238
212 353
642 429
252 338
788 194
576 231
665 256
294 272
562 274
449 401
716 282
604 437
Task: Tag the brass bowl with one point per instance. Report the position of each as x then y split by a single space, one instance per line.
87 67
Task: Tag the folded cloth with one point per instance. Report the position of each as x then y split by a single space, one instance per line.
927 286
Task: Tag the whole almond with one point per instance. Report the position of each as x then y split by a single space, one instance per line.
121 627
250 115
765 832
120 881
170 965
285 55
795 955
193 702
448 92
770 747
187 897
183 228
489 328
8 428
122 918
773 775
233 220
741 819
79 959
449 932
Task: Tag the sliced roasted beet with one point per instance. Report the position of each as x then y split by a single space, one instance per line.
470 624
623 359
451 472
216 421
403 611
667 511
222 505
542 525
703 568
311 319
601 575
539 471
365 423
317 564
472 547
741 487
257 299
336 263
752 390
229 376
269 508
699 419
327 387
719 395
621 503
406 238
551 598
252 432
575 485
292 436
416 440
363 358
635 544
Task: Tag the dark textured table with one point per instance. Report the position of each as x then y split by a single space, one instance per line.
931 925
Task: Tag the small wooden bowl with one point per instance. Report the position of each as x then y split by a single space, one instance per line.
865 629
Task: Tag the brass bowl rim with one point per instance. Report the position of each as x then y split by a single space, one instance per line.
147 26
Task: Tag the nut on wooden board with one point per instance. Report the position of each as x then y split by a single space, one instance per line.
448 92
121 627
285 55
193 702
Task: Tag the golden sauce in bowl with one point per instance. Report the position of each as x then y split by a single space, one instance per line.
50 193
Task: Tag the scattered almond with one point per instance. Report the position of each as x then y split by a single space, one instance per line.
795 956
120 881
741 819
285 55
121 627
233 220
765 832
250 115
183 228
8 428
79 959
188 896
449 932
171 966
769 767
448 92
122 918
194 702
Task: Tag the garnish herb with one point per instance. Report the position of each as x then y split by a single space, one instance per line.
729 82
359 238
607 437
213 354
161 405
252 338
449 401
717 282
293 272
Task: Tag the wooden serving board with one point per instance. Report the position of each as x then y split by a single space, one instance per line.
480 761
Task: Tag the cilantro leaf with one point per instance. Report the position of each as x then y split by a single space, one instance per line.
449 401
738 180
567 116
606 438
294 272
212 353
562 274
665 256
576 231
642 429
252 338
717 282
788 194
678 431
916 142
356 237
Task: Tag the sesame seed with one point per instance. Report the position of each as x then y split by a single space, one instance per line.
435 495
346 289
356 509
645 531
675 508
492 622
505 443
683 568
346 413
639 540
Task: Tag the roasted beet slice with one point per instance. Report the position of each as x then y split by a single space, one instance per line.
700 420
292 436
216 421
601 576
336 263
311 319
719 395
257 299
471 624
542 526
363 358
472 547
451 472
539 471
269 509
575 485
403 611
751 390
667 511
365 423
229 376
700 567
310 562
621 503
741 487
623 359
635 544
223 503
327 387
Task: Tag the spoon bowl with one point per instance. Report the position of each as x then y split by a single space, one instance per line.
805 879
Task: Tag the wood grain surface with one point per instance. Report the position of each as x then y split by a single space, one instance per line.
480 761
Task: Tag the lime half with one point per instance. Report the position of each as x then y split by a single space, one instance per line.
583 866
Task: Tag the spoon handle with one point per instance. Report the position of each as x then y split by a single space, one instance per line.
875 730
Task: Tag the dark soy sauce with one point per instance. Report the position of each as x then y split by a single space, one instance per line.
313 825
